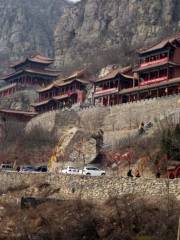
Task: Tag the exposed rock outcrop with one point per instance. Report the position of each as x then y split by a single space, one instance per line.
110 31
75 147
28 26
88 31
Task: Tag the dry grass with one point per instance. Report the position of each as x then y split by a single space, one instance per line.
128 218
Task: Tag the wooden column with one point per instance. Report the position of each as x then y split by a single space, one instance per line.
133 82
168 72
138 96
108 101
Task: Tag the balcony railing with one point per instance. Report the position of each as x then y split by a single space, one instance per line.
155 80
69 93
105 91
155 62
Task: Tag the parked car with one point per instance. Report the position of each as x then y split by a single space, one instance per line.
27 169
41 169
71 170
6 167
93 171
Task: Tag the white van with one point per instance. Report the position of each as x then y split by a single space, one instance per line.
70 170
93 171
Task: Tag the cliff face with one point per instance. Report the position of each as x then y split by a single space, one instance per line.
27 26
99 31
113 29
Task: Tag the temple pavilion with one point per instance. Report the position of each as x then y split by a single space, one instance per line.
158 71
32 71
157 75
107 88
63 92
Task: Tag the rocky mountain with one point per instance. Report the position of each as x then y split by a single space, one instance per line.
27 26
98 31
103 31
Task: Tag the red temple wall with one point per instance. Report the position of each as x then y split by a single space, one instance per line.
176 57
176 72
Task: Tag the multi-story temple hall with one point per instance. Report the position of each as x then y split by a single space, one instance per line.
157 75
159 70
107 88
63 92
32 71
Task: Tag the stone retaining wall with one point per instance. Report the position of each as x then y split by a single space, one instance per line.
130 115
99 188
115 118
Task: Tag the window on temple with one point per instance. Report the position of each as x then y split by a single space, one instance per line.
116 84
171 72
105 86
145 76
171 54
111 84
154 75
163 55
163 73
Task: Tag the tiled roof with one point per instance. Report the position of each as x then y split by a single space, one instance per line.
8 87
61 83
40 103
19 112
55 98
48 72
76 74
11 75
160 44
41 59
60 97
50 86
114 73
35 59
44 72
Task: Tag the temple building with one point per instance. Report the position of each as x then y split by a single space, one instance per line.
107 88
33 71
9 89
63 92
158 71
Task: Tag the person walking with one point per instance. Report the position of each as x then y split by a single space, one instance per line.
137 174
129 173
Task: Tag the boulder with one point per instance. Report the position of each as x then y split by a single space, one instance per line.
75 147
